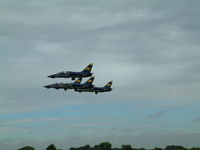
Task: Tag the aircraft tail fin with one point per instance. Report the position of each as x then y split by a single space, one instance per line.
90 80
78 80
88 68
109 84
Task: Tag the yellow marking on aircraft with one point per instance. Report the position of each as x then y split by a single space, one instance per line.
109 84
78 81
88 69
89 81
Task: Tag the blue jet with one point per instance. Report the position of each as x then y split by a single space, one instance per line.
76 85
70 74
64 86
106 88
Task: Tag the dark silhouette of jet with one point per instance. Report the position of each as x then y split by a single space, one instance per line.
76 85
70 74
106 88
64 86
54 85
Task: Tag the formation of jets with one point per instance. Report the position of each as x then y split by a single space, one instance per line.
77 85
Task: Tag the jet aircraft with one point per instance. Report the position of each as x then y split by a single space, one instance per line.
64 86
70 74
76 85
106 88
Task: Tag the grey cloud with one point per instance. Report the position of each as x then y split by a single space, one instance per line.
32 121
196 120
156 115
149 49
152 46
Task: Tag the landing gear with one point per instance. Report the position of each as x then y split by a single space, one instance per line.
96 92
73 78
65 89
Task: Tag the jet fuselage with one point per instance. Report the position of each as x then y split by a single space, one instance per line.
55 85
70 74
106 88
95 89
76 85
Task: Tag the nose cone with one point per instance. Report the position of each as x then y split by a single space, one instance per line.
47 86
50 85
51 76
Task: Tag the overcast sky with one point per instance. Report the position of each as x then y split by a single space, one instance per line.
150 49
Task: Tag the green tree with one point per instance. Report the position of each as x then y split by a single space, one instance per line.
51 147
86 147
173 147
105 146
157 148
116 148
27 148
126 147
195 148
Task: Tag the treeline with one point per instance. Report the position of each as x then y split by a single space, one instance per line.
108 146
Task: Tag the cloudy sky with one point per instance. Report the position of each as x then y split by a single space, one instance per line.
150 49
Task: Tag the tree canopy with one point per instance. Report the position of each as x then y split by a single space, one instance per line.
51 147
108 146
27 148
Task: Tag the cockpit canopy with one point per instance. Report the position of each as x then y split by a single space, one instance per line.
63 72
60 72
